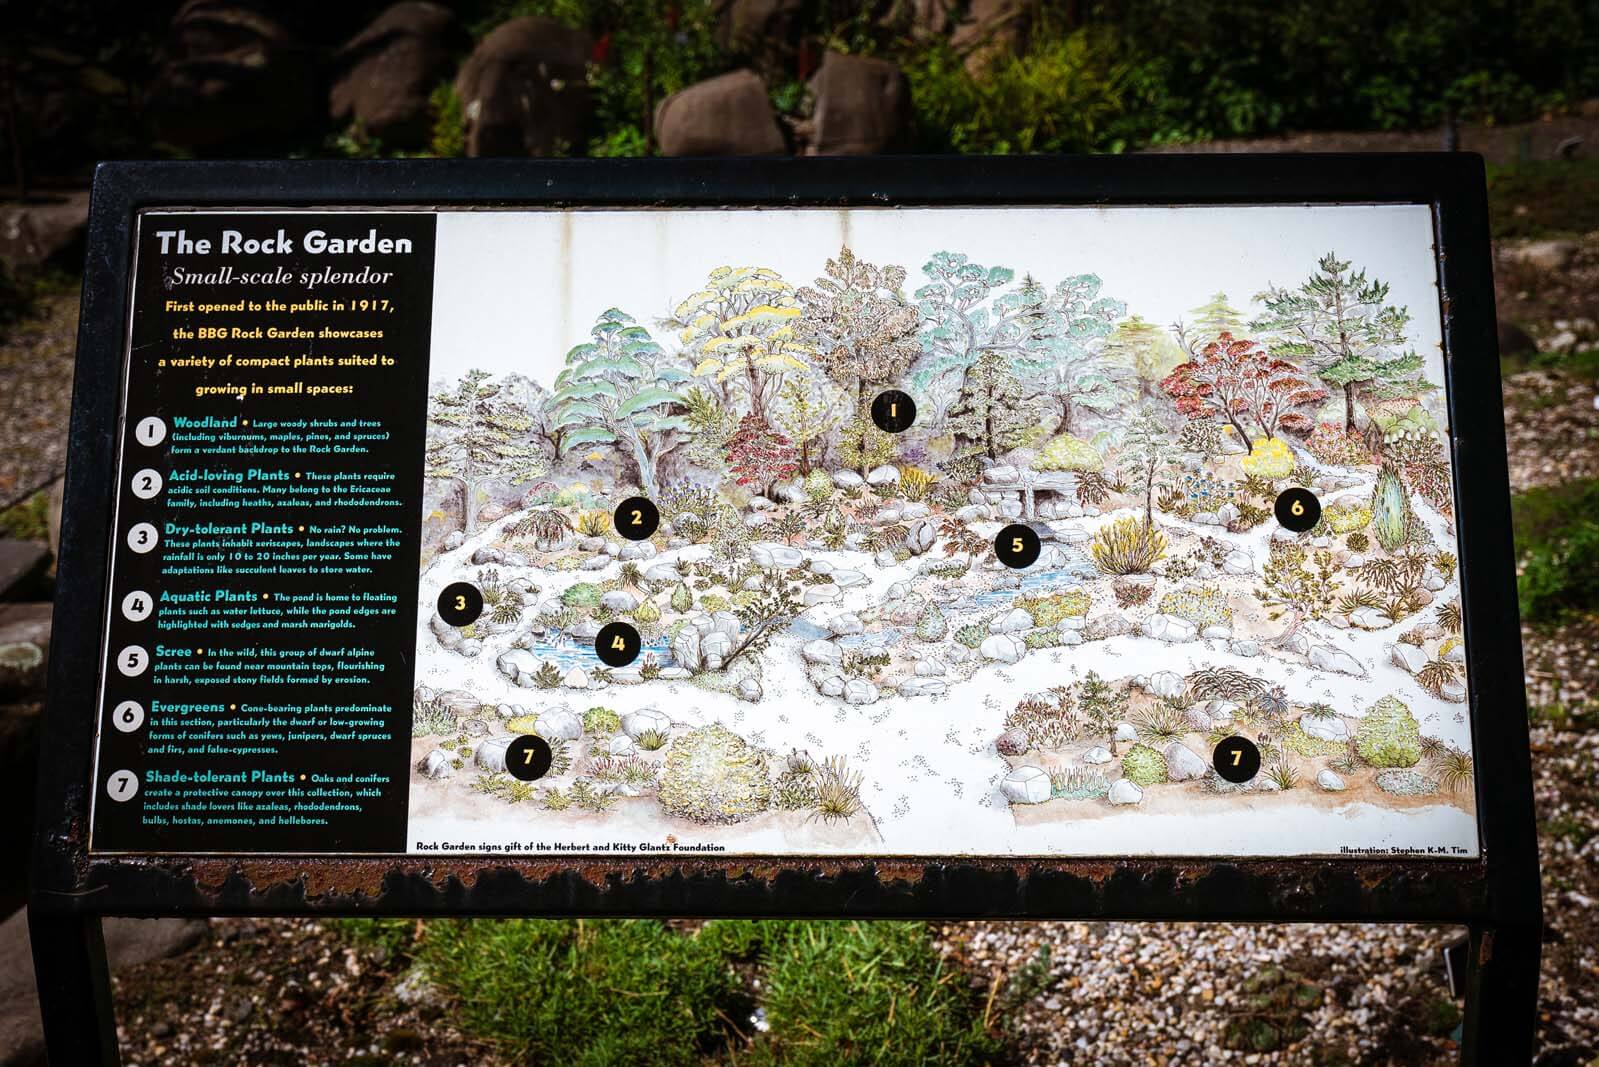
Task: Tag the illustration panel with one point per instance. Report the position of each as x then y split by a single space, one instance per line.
1033 532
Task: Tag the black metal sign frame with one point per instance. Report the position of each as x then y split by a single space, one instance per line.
1496 895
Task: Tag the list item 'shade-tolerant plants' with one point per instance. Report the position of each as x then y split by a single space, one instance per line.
819 591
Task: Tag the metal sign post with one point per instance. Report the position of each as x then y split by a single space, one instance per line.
350 320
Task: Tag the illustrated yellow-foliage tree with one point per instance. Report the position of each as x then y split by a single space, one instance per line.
740 331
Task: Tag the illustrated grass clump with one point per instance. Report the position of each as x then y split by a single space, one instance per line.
1077 783
1347 518
838 790
1390 510
1050 609
1203 606
1127 546
915 484
713 775
1144 766
1389 735
594 522
548 676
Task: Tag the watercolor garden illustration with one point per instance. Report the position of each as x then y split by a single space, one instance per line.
833 658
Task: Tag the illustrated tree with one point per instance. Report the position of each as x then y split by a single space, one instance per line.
1213 318
1341 323
861 330
961 316
1145 453
740 330
758 456
1145 351
1058 347
806 417
1235 379
621 389
991 413
474 435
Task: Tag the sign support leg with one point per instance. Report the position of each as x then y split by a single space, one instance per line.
1501 995
69 963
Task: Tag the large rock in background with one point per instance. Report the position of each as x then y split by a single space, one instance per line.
383 76
730 115
234 75
862 106
524 90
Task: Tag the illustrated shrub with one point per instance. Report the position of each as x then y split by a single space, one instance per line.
1331 443
818 486
1390 510
1269 459
583 596
1347 518
1358 541
647 612
1132 594
1144 766
1067 453
682 598
971 636
1389 735
932 625
1203 606
595 522
1050 608
1126 546
601 722
713 775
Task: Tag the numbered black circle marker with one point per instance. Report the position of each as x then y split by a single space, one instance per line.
460 604
147 484
132 661
122 786
150 431
1017 546
617 644
528 758
1298 509
128 716
636 518
143 537
137 606
1237 759
893 411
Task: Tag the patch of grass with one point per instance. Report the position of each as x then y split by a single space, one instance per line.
584 992
1577 365
593 992
856 992
1537 199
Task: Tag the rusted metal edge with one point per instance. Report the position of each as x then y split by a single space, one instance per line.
1320 890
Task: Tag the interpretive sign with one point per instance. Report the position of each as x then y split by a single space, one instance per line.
959 538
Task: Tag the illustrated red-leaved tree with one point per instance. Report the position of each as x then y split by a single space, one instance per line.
1234 379
758 456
